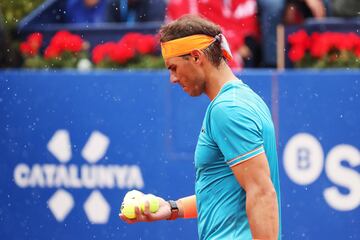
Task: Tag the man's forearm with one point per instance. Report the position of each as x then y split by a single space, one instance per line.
262 212
187 207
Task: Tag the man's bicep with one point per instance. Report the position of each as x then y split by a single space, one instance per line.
253 172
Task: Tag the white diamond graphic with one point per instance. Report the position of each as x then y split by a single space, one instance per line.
60 146
96 147
61 204
97 208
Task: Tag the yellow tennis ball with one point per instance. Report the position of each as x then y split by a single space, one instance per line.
153 202
128 208
134 194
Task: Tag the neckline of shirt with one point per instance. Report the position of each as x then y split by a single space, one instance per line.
224 87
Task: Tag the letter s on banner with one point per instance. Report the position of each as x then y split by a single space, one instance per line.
303 162
344 177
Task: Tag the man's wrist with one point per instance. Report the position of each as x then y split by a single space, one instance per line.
177 212
181 209
174 210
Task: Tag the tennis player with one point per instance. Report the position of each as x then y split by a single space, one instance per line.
237 193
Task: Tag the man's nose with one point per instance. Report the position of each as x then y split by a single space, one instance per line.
173 78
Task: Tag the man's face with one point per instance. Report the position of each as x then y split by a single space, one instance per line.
188 74
91 3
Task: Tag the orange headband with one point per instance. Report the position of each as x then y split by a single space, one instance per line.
183 46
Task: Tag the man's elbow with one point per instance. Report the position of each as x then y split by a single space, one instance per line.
262 193
262 210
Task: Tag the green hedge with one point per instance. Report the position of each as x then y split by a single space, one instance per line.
14 10
11 13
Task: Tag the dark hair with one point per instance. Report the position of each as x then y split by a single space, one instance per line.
191 25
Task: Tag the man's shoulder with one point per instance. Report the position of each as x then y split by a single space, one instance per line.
237 98
230 101
230 109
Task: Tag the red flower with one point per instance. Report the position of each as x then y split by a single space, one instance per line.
65 41
35 41
74 43
357 52
102 51
328 44
296 53
32 45
147 44
351 40
121 53
98 54
141 43
299 38
336 41
26 49
52 52
131 39
59 39
125 49
320 46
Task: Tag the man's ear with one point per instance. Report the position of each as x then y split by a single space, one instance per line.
196 55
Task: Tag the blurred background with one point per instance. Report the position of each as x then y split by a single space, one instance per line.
87 112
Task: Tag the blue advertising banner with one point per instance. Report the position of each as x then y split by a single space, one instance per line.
72 144
319 116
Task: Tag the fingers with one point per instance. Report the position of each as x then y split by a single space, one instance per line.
139 217
145 215
147 208
127 220
138 214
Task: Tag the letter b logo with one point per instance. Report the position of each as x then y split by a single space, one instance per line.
303 159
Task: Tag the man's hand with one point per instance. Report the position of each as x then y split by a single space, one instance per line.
317 8
163 213
90 3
